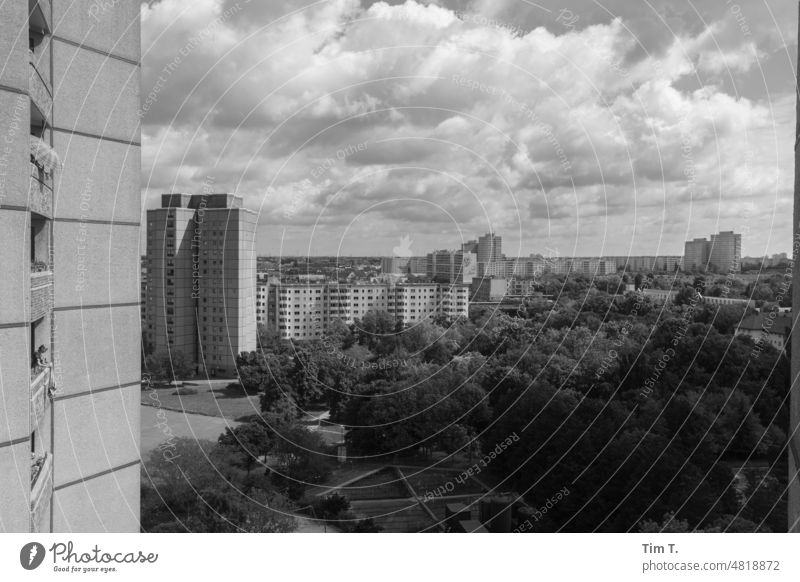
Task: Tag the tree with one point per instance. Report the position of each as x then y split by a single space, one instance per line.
192 487
169 365
250 441
302 460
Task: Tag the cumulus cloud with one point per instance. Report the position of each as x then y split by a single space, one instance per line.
346 125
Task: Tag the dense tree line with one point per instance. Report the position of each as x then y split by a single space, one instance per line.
653 415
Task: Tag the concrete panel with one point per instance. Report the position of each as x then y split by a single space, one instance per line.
99 180
15 384
109 503
95 94
14 47
15 257
95 433
15 483
95 264
100 345
14 146
111 27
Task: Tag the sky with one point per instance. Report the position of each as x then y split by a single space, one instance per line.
568 127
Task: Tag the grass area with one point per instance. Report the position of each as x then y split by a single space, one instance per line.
212 398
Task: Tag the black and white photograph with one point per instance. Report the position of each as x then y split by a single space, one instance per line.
399 266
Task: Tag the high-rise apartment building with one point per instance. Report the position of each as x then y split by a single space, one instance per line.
471 246
725 252
69 223
490 248
452 266
262 294
695 255
394 265
304 311
722 254
201 266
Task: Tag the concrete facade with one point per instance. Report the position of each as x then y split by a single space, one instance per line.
201 293
722 254
725 252
490 248
452 266
304 312
69 221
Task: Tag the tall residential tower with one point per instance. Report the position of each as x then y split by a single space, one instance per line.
201 269
69 225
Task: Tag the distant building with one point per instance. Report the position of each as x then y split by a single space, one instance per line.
417 265
143 291
490 248
489 289
695 255
262 295
767 328
725 253
664 295
452 267
304 312
202 279
648 263
471 246
394 264
404 265
722 254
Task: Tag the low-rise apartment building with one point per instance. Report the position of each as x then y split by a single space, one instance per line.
304 312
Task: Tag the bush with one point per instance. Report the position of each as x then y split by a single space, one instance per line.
330 506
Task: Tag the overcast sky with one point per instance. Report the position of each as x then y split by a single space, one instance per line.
567 126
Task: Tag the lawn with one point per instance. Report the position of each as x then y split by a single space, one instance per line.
212 399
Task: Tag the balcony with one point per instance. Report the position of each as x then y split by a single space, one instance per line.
40 193
40 93
41 489
41 290
40 394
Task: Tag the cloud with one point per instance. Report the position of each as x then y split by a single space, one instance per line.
566 123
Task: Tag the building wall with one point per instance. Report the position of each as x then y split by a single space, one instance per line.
201 262
490 248
81 97
725 252
304 312
96 232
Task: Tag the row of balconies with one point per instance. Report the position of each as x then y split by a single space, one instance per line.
41 490
40 196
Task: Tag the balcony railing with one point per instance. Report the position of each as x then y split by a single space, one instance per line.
41 488
41 292
40 92
41 191
41 383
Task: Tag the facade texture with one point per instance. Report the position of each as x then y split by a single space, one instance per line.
452 267
304 312
695 255
201 268
725 252
490 248
721 254
69 221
